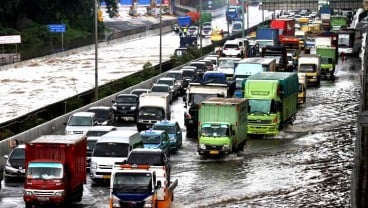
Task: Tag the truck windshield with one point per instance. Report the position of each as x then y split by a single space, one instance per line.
344 40
307 68
198 98
132 183
111 149
151 139
325 60
153 159
45 171
226 63
260 106
215 130
151 112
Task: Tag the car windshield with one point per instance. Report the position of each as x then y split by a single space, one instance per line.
176 76
18 153
168 129
146 159
168 82
139 92
126 99
80 121
111 149
160 89
151 139
188 73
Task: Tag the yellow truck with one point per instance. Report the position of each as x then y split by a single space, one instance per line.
302 93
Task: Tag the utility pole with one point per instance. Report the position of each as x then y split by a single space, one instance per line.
160 37
228 25
200 26
96 51
242 7
248 15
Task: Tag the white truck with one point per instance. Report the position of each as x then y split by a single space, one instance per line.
311 66
153 107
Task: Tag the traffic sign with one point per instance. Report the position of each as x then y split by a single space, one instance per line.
57 28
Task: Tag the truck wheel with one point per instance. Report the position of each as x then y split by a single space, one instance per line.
29 205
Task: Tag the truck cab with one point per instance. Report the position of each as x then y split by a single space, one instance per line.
311 65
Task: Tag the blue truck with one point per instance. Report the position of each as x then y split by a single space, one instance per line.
233 13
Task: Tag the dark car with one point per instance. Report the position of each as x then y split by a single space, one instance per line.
15 163
126 105
104 115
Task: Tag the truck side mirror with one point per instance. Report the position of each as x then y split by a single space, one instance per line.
113 101
158 185
184 98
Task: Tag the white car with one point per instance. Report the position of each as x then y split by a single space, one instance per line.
206 31
193 31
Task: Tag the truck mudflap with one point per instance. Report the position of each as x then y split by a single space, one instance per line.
169 196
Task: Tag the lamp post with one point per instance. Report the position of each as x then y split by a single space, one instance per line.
242 7
228 25
160 37
248 15
96 52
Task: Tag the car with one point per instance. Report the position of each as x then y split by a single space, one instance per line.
156 139
232 48
201 67
193 30
93 134
125 105
179 82
104 114
162 88
209 64
140 91
189 74
15 163
236 27
80 122
153 157
171 82
206 31
173 129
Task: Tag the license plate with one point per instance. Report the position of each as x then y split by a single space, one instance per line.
214 152
106 176
41 198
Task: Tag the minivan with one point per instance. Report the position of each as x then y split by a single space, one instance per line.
112 147
80 122
15 163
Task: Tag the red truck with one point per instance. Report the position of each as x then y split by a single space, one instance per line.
55 169
286 27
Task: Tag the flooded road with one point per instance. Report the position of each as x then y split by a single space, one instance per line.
308 165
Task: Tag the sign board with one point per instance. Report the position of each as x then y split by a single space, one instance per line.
57 28
10 39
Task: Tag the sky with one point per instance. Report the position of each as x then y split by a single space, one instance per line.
31 85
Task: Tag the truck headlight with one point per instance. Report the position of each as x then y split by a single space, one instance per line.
93 165
202 146
148 202
59 193
314 77
69 132
28 193
133 108
114 107
225 147
114 202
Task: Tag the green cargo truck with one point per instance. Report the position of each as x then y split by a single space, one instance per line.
328 61
338 22
273 101
222 125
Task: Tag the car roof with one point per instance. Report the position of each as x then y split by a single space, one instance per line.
137 150
126 95
84 114
101 128
152 132
100 107
165 123
160 85
120 136
167 78
140 90
20 146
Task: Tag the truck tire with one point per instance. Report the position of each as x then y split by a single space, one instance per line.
29 205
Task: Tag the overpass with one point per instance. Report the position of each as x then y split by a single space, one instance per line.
309 4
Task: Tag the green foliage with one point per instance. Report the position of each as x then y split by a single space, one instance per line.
191 53
147 65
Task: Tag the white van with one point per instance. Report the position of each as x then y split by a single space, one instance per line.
80 122
111 148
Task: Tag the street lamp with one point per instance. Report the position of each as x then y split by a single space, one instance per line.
160 37
200 26
96 52
242 7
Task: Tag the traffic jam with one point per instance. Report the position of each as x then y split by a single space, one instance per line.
250 88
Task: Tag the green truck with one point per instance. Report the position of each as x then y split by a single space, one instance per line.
338 22
273 101
222 126
328 61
